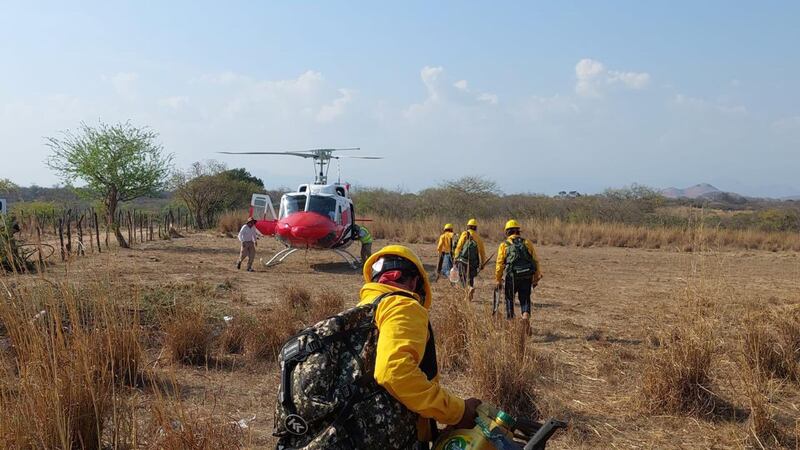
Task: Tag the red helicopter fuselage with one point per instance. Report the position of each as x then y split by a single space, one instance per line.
315 217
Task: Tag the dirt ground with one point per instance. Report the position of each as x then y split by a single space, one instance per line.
596 311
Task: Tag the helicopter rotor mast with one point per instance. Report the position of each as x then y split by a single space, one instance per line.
321 157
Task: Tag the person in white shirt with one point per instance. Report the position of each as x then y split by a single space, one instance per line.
248 236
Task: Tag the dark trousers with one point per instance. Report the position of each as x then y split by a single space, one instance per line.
466 274
522 288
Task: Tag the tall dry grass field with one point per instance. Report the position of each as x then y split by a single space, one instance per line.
594 234
74 371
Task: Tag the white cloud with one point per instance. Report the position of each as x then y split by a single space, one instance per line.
491 99
786 124
592 78
700 104
441 92
124 83
542 107
587 71
174 102
633 80
335 109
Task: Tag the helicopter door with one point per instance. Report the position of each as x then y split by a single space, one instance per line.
261 207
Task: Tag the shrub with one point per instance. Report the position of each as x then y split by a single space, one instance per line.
677 376
189 335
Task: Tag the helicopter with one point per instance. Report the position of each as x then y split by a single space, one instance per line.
317 216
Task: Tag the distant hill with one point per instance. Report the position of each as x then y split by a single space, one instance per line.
702 190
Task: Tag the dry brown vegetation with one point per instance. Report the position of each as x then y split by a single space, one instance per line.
169 347
595 234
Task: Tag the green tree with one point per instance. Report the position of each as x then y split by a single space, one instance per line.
243 175
208 189
117 163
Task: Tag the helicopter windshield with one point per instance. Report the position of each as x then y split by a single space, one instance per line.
292 204
323 205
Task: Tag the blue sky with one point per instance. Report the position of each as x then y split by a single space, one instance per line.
541 97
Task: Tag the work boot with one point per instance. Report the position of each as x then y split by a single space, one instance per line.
526 319
250 269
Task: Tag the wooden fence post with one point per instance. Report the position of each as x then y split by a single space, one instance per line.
130 241
79 225
61 237
69 232
39 244
97 230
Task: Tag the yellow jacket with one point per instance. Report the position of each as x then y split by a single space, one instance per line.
445 244
403 333
500 262
478 240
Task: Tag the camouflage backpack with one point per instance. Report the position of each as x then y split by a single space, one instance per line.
469 252
328 397
519 261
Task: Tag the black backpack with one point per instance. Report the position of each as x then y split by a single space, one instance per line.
469 252
328 397
519 261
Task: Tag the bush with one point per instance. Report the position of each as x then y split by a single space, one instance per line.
231 221
677 376
189 335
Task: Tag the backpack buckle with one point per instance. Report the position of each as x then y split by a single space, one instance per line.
313 345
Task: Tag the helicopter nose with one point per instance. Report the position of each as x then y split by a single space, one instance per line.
309 232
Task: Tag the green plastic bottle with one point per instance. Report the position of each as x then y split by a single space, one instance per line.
493 431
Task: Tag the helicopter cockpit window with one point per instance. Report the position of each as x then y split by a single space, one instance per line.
291 204
323 205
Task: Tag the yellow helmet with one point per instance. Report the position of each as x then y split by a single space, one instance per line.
472 223
512 224
448 226
406 253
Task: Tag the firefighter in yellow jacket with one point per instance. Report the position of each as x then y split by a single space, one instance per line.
405 363
444 247
517 267
470 255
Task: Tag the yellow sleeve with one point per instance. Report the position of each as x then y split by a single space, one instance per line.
440 247
460 244
481 249
500 262
538 274
403 332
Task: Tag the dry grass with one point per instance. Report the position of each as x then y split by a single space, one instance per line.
74 365
500 364
771 344
70 356
677 376
327 303
189 335
235 333
176 428
272 328
231 221
596 234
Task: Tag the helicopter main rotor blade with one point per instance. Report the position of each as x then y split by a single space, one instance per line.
302 155
357 157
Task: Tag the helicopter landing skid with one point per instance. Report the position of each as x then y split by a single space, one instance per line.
279 257
286 252
348 258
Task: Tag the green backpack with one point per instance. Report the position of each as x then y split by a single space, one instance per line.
469 252
519 261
